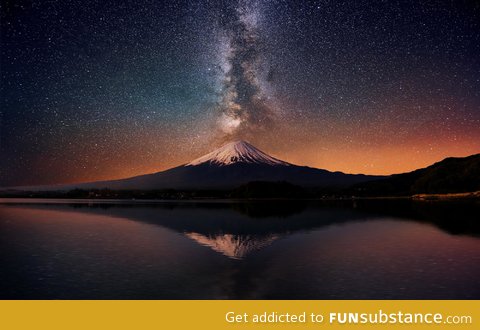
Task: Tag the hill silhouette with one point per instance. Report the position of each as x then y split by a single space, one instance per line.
451 175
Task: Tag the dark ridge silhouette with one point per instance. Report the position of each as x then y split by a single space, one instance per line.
226 168
451 175
254 174
264 189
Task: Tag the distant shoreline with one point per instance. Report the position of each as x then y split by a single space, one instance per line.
451 196
417 197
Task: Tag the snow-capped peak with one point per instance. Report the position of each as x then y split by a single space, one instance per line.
233 246
237 152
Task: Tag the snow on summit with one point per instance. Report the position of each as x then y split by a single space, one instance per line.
237 152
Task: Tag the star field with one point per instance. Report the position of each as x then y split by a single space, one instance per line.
95 90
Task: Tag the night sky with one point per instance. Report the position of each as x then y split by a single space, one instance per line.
106 89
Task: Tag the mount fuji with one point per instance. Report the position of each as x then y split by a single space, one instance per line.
230 166
237 152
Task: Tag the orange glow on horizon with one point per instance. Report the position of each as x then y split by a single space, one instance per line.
334 148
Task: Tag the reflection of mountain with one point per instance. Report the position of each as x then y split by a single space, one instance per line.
266 209
454 217
237 230
233 246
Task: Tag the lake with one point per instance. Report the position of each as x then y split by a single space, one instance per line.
377 249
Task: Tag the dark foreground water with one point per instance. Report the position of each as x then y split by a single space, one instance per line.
224 250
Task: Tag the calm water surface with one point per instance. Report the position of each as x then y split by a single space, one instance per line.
227 250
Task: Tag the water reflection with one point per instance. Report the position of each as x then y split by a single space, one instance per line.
233 246
356 250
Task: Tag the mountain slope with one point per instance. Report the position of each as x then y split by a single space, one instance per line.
228 167
450 175
235 152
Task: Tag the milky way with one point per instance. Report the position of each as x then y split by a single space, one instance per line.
94 90
243 105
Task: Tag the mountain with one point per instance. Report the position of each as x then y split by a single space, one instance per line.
451 175
230 166
237 152
233 246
